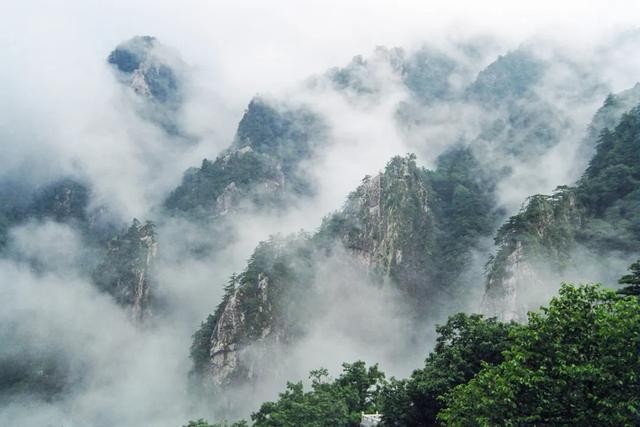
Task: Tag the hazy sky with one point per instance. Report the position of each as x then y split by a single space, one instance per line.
251 45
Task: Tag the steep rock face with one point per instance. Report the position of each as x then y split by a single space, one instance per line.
381 222
154 73
126 270
260 308
260 167
224 358
395 225
412 225
543 233
600 214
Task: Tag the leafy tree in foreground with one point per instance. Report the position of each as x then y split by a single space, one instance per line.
337 403
576 362
464 344
633 280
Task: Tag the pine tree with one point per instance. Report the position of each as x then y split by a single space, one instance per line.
633 280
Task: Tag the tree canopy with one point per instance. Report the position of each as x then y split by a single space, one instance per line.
575 362
633 280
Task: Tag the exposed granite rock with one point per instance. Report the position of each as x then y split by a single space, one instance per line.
126 270
388 225
599 215
155 73
382 220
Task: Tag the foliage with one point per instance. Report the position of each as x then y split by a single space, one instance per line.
576 362
633 280
201 188
259 166
288 135
464 345
609 189
329 403
270 289
427 73
602 212
510 76
124 261
465 210
43 375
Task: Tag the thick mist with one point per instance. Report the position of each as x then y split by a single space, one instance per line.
63 113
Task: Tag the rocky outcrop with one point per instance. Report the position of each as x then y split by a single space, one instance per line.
260 168
155 73
542 236
259 310
389 225
599 215
224 357
126 270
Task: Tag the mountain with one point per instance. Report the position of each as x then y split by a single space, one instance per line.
260 168
429 75
511 76
596 218
156 75
125 271
63 200
405 227
367 76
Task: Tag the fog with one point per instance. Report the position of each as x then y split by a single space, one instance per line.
63 113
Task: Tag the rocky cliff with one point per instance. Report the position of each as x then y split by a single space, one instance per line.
396 226
156 74
126 269
599 215
388 226
260 168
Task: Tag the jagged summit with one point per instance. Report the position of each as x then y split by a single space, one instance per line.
147 69
260 167
156 74
129 55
